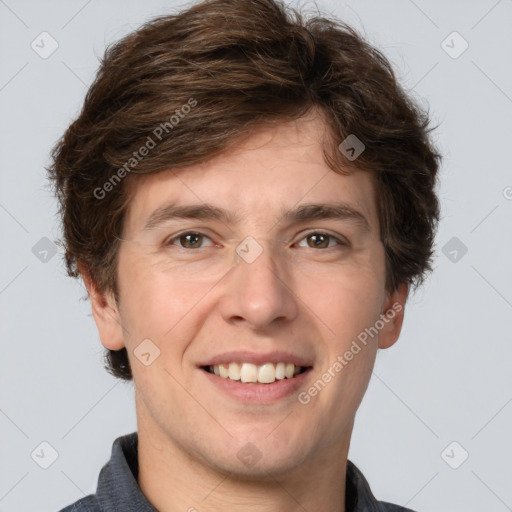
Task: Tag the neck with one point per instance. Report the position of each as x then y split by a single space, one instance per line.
173 480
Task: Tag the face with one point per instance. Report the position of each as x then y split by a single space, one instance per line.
258 286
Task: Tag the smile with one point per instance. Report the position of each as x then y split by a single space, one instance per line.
250 373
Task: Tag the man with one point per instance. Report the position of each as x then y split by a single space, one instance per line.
248 197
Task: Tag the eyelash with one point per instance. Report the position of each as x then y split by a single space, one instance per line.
168 241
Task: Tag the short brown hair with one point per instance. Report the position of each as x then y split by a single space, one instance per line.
239 64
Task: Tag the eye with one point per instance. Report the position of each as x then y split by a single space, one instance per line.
187 240
194 239
321 240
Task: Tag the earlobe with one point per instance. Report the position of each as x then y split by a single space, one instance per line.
393 316
105 312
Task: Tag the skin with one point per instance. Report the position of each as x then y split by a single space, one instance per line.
196 303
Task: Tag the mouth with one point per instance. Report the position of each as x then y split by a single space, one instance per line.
249 373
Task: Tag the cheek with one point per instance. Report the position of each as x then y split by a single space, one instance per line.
175 283
159 306
345 300
147 309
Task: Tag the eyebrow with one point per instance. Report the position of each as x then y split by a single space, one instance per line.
303 213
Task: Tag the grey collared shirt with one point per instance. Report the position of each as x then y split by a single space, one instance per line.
118 490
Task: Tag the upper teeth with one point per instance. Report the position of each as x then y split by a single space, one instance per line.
248 372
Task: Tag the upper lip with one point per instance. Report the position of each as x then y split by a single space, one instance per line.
258 359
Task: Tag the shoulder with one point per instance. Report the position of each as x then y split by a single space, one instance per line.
390 507
360 497
87 504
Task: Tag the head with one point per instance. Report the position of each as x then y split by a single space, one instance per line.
244 108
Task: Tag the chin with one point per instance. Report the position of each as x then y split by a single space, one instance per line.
257 459
268 467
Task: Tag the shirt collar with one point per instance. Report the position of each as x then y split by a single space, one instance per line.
118 490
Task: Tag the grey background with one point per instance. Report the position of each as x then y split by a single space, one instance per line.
447 379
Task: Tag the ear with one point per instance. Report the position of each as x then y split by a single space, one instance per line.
393 316
105 313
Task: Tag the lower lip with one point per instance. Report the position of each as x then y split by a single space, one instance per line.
258 393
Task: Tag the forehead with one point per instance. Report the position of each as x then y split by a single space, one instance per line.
273 170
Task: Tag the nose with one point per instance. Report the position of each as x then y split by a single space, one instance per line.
258 289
